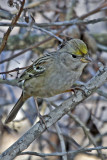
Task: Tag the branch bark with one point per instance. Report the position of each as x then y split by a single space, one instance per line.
22 143
75 21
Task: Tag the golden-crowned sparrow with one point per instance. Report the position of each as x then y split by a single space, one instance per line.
52 74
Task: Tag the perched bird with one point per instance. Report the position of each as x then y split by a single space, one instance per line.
52 74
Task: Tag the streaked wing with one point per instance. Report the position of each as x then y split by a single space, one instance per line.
37 68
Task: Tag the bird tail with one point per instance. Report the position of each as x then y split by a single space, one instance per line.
15 109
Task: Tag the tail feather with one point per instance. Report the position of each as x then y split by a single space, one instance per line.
15 110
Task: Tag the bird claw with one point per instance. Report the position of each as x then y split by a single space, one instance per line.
42 120
74 91
77 86
80 89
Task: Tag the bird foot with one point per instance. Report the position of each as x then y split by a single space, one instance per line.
79 89
42 120
74 90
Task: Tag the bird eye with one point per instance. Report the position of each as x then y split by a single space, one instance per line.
38 67
74 56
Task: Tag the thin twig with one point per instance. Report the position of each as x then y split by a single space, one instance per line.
102 47
32 4
13 23
48 32
13 82
98 9
82 150
75 21
14 70
62 143
5 14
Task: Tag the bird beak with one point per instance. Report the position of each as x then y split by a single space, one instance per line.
86 59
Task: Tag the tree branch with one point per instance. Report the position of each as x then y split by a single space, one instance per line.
75 21
5 14
13 82
82 150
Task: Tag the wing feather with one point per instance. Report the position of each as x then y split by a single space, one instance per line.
37 68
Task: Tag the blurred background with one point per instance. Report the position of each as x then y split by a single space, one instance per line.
25 45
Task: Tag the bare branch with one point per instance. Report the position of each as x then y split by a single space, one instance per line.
36 3
5 14
14 70
82 150
13 82
62 143
13 23
96 10
48 32
75 21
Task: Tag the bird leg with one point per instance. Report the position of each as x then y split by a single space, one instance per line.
70 90
39 115
74 89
